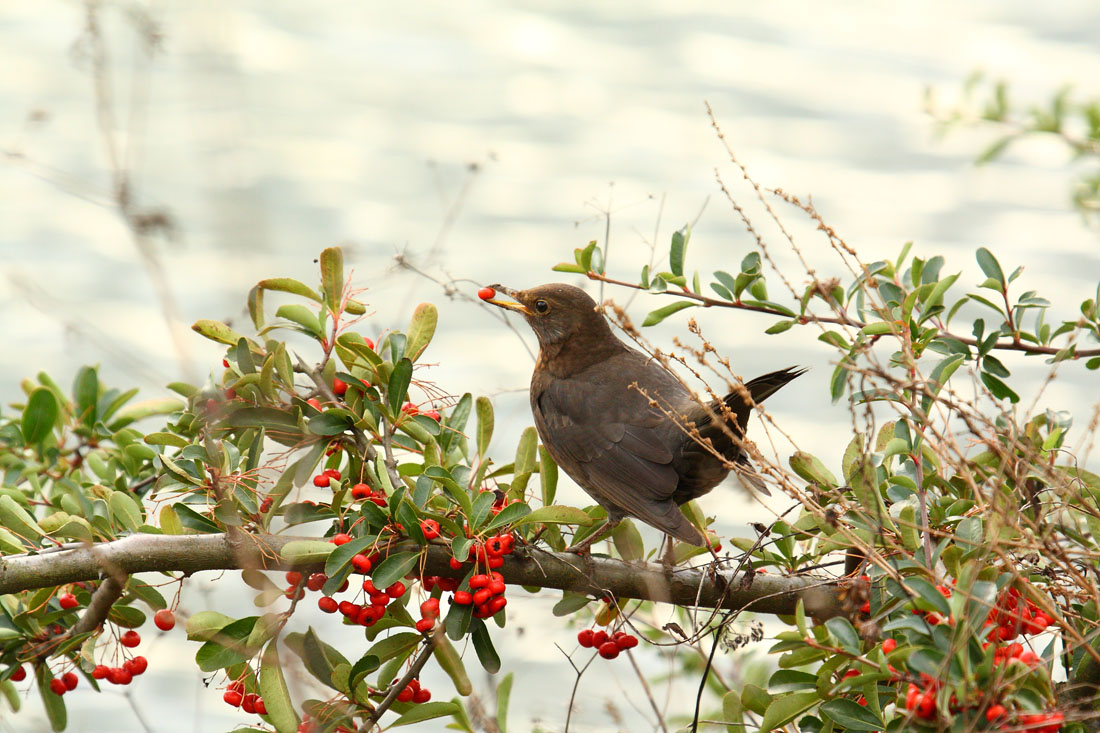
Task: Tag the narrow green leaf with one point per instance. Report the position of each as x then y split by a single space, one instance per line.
628 541
851 715
273 689
999 389
86 395
332 277
510 514
484 410
289 285
845 634
548 476
568 267
303 316
483 645
54 704
786 708
451 663
660 314
215 331
678 250
426 711
504 693
400 378
557 514
256 306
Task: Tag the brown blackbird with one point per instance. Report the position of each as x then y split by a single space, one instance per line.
595 404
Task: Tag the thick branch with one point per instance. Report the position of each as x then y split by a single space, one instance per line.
763 593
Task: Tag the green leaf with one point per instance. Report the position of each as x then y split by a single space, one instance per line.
86 395
421 330
483 645
216 331
305 552
400 378
17 519
362 667
811 469
54 704
628 541
40 415
484 410
256 306
333 421
342 555
845 634
557 514
660 314
510 514
426 711
568 267
504 693
990 266
779 327
999 389
928 593
393 568
125 511
451 663
548 476
851 715
332 277
204 625
678 250
144 409
303 316
396 645
289 285
227 646
785 708
280 708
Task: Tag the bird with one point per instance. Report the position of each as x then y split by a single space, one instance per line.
604 411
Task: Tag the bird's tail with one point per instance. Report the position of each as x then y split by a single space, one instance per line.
759 389
677 525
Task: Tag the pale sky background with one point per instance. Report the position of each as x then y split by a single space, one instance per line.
273 129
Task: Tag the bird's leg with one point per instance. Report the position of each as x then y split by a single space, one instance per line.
583 547
668 557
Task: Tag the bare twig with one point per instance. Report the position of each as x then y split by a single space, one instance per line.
395 689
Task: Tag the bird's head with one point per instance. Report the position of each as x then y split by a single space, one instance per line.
556 312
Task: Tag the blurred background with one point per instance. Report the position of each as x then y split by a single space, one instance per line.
481 142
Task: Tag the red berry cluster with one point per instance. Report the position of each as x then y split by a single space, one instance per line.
364 614
429 612
236 697
608 645
362 492
413 692
322 479
485 594
1014 615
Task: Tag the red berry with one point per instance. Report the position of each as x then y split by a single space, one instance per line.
584 638
120 676
433 414
406 695
248 704
481 596
70 680
422 695
455 564
361 563
341 538
627 641
479 581
396 590
225 363
889 645
339 386
360 492
293 577
494 547
137 665
368 586
430 528
599 638
410 409
99 673
130 639
369 343
57 687
164 619
349 609
261 708
609 650
994 711
327 604
379 599
463 598
497 587
233 698
265 506
486 293
496 604
67 601
865 608
321 480
316 581
430 608
495 562
425 625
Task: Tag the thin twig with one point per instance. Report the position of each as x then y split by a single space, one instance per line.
395 689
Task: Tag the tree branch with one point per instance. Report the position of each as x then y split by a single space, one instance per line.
762 593
401 684
840 320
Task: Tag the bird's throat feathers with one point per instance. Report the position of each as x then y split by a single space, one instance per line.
564 358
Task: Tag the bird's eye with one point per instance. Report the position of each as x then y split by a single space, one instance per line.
541 306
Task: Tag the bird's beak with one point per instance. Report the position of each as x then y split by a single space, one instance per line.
512 305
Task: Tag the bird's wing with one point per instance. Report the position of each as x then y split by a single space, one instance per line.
618 443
